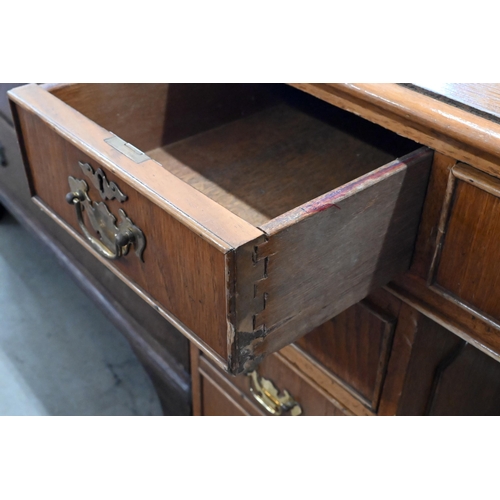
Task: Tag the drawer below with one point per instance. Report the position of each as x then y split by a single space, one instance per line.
277 388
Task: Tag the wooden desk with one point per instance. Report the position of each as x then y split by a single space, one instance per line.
425 343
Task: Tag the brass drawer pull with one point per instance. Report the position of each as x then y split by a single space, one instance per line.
268 396
115 239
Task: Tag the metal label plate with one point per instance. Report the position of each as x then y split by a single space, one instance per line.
130 151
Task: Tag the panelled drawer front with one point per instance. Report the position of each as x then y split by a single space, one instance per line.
220 392
467 263
238 289
454 275
355 345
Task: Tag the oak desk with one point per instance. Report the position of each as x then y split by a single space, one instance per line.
250 215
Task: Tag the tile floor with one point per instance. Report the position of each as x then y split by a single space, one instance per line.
58 354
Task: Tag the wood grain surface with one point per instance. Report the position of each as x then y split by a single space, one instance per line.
447 376
404 337
322 264
427 240
464 321
182 271
355 346
313 400
271 162
468 385
469 264
432 345
217 402
324 378
219 396
151 115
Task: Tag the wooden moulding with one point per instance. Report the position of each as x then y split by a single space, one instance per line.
238 291
465 262
453 315
454 273
402 348
427 233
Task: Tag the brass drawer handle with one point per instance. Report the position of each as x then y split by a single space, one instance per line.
115 239
268 396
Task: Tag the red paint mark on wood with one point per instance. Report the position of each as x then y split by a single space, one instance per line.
330 199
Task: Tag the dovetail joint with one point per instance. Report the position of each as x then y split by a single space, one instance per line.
261 297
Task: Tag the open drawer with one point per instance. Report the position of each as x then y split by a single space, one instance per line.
246 214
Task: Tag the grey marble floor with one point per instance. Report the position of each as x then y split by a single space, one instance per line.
58 354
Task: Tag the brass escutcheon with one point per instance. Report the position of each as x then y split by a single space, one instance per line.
115 240
268 396
107 190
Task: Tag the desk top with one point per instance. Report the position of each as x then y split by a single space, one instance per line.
478 98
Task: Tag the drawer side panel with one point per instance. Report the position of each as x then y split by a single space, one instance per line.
356 241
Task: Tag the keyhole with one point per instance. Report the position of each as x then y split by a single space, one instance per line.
101 185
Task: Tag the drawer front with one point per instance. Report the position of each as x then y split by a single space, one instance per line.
240 290
467 264
355 345
454 278
293 392
179 270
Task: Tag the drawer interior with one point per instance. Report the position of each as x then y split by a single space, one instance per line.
257 150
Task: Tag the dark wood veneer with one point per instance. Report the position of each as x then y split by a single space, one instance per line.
355 346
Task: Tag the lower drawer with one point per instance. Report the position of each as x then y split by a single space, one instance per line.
276 388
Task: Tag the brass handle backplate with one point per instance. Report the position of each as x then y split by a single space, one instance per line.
268 396
115 240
